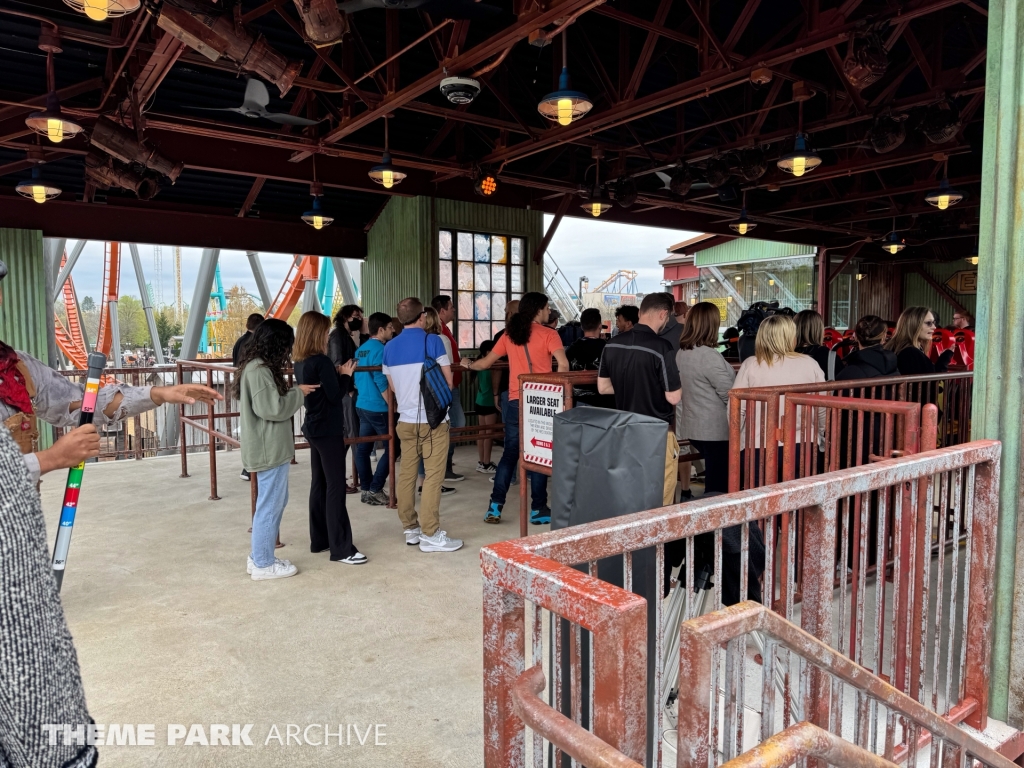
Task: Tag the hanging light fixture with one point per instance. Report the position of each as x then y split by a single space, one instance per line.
101 10
565 105
386 174
37 189
945 196
316 217
486 184
972 260
742 225
51 122
802 158
893 243
597 202
860 276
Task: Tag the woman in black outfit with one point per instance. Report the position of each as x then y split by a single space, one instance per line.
913 334
871 358
324 428
810 338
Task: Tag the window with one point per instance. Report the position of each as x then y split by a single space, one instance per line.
481 273
734 287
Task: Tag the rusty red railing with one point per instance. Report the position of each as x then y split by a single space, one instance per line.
574 616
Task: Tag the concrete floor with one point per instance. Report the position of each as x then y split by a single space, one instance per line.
170 629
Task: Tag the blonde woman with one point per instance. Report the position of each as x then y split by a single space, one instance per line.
913 335
776 363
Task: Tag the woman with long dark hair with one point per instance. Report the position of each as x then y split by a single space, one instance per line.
266 406
324 428
913 334
529 346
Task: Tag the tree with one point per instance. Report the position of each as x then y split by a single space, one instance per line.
166 326
231 325
131 320
88 305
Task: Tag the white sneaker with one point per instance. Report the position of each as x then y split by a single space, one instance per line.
250 564
412 536
357 559
279 569
439 542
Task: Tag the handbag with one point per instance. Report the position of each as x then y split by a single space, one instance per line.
437 395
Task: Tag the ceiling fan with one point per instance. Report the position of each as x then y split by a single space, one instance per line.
254 105
450 9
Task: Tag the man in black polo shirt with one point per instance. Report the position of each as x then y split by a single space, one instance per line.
639 368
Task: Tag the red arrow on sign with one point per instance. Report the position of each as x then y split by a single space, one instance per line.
539 443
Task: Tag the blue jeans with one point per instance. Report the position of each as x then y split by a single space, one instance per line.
457 417
371 423
271 499
510 459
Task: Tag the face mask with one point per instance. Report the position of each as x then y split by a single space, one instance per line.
355 325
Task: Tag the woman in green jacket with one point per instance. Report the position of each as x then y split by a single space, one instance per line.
267 405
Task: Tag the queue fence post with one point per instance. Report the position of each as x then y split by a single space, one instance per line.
213 440
181 425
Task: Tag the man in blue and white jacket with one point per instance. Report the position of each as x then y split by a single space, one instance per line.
403 366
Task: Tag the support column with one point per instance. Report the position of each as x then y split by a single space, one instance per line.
999 361
65 273
147 306
200 303
344 279
53 251
310 301
261 280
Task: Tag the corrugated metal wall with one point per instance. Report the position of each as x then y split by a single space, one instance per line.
26 315
24 318
401 256
744 249
917 292
875 290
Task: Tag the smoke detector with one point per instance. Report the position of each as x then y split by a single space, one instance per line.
460 90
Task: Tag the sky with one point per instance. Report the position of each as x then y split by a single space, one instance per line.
580 247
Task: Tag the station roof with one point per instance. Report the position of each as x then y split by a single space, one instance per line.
713 86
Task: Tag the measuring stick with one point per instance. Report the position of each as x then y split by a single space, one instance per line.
97 363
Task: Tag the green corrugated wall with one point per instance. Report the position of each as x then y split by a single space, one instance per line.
917 292
401 247
25 314
743 250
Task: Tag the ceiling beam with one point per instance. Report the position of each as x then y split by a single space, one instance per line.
636 21
68 92
640 68
740 25
145 222
792 206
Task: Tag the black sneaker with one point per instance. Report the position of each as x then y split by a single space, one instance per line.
444 491
453 477
245 474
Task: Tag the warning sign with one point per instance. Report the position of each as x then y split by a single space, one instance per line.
540 404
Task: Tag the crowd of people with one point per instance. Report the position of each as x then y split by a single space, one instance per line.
665 360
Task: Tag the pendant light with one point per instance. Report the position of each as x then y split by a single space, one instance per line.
945 196
37 189
597 201
893 243
316 217
101 10
565 105
973 259
742 225
51 122
386 174
802 158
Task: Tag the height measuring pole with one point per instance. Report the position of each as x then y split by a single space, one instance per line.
97 363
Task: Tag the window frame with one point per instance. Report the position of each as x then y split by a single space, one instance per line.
454 291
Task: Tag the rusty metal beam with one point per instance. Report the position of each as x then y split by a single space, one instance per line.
636 21
165 55
794 205
854 250
741 24
563 206
250 198
68 92
853 93
640 68
919 56
939 288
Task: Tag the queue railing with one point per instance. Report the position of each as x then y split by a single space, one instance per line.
535 587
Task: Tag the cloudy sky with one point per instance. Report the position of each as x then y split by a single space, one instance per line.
580 247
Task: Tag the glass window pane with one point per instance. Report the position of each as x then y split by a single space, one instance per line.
482 306
483 333
517 250
446 276
482 248
465 309
499 279
445 244
498 250
465 246
517 279
465 276
516 297
495 327
465 334
482 277
498 302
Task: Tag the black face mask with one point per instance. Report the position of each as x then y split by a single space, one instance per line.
355 325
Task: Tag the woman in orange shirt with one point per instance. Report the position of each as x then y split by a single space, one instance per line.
529 346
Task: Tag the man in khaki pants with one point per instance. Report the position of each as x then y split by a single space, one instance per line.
403 365
639 368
